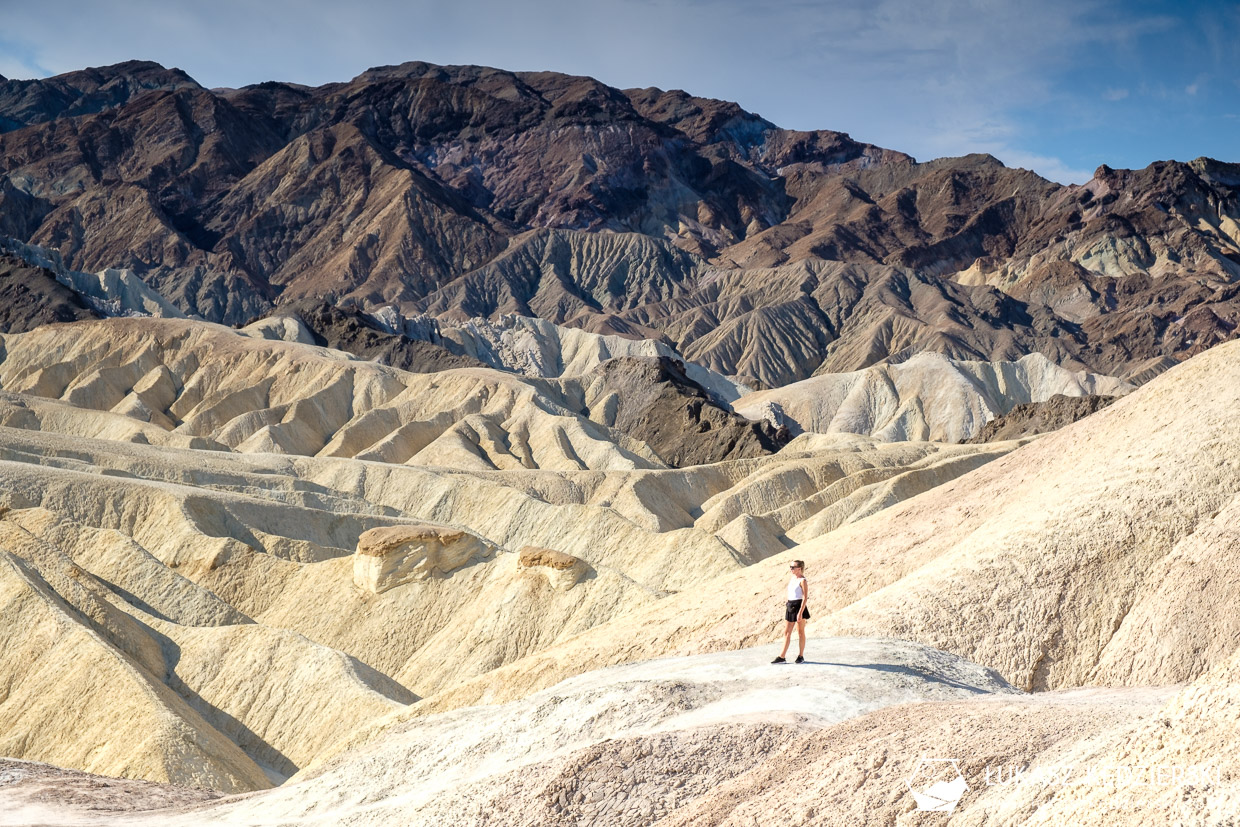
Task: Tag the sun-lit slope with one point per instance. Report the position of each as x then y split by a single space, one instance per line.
74 699
927 397
617 746
272 693
1199 728
257 395
1029 564
231 579
1055 545
624 520
272 536
34 413
197 557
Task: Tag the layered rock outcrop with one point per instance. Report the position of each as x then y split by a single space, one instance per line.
562 570
391 556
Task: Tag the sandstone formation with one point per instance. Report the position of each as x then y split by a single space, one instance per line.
259 394
482 510
391 556
1068 533
562 570
196 568
201 580
927 397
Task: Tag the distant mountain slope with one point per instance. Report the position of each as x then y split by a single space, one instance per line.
387 186
464 191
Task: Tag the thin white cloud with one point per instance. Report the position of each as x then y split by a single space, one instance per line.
1053 169
15 68
1115 94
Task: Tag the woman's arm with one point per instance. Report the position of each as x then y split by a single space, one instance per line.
804 597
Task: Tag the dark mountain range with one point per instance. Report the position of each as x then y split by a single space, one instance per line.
33 297
463 191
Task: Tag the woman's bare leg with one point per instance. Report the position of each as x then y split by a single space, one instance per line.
788 638
800 634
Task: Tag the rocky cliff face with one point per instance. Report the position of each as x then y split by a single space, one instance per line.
33 297
469 191
383 188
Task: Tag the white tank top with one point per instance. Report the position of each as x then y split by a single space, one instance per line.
795 592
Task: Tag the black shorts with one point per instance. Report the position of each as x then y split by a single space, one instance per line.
794 606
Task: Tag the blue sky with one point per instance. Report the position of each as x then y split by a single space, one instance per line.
1058 87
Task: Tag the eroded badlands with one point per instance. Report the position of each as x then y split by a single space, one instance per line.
240 562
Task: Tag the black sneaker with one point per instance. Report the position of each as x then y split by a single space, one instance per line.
779 660
800 659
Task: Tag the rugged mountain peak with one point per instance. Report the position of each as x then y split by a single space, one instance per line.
471 191
704 120
84 92
1218 172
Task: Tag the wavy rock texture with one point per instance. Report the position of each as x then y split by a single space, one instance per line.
425 579
927 397
213 585
187 520
257 393
1070 534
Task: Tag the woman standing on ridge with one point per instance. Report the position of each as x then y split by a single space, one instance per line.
797 611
